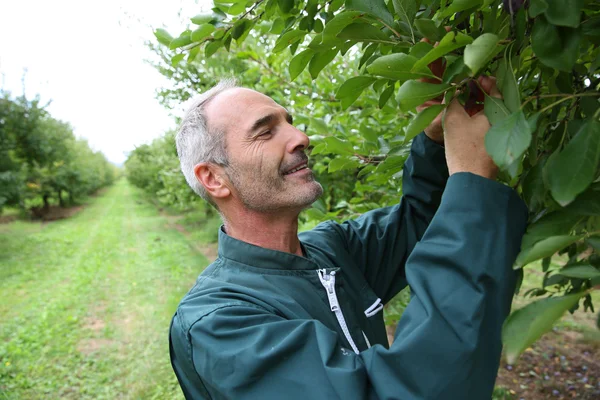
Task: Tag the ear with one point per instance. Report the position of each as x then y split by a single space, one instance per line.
211 177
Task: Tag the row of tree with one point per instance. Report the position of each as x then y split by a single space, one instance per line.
41 159
352 72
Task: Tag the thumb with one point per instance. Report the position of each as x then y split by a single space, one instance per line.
455 113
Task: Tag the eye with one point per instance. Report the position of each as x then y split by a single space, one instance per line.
265 134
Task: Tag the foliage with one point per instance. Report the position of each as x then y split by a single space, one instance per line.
545 133
41 158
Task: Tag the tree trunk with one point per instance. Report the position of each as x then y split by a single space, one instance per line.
61 202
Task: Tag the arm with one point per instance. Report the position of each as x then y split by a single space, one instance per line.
447 345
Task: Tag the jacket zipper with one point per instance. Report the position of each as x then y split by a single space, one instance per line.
328 282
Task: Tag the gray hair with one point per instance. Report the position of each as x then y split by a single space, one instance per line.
197 143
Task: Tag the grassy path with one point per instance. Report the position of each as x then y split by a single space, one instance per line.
86 302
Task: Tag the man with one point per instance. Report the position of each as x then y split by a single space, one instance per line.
282 315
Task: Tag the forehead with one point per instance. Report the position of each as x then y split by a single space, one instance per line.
238 108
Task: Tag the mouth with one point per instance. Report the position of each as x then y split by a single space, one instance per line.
299 167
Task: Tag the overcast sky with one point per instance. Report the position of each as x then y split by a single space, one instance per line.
88 58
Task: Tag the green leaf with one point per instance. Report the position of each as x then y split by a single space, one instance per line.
406 10
587 203
495 109
202 19
398 66
508 139
456 71
413 93
364 33
319 61
338 146
339 22
287 39
420 49
460 5
507 83
479 53
342 163
385 95
526 325
239 8
373 7
422 120
352 88
429 29
559 13
450 42
537 7
299 62
177 59
285 5
202 32
572 170
534 190
212 47
545 248
556 47
163 36
552 224
581 271
183 40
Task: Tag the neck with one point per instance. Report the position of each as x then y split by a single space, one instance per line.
271 231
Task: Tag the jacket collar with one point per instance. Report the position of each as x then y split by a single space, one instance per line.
261 257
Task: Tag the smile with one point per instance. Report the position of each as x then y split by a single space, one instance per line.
298 168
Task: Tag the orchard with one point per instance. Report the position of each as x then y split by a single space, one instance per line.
352 72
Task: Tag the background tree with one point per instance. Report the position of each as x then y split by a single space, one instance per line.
545 134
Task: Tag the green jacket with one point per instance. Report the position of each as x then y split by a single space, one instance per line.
262 324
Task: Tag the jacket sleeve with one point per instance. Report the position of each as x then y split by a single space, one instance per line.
381 240
447 344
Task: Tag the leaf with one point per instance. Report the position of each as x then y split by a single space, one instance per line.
479 53
373 7
202 32
545 248
163 36
537 7
202 19
285 5
183 40
422 120
299 62
212 47
385 95
413 93
287 39
338 146
556 47
351 89
364 33
420 49
587 203
526 325
406 10
176 59
534 190
507 83
341 163
495 109
339 22
581 271
508 139
557 14
398 66
319 61
572 170
460 5
450 42
456 70
552 224
429 29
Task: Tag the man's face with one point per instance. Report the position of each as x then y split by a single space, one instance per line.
268 168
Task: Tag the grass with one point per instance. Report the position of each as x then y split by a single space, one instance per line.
87 301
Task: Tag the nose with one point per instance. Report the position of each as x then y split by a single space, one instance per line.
298 140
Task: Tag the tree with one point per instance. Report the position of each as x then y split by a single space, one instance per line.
545 134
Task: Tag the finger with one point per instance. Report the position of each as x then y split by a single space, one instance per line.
455 113
488 84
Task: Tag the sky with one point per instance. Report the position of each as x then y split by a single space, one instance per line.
88 59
